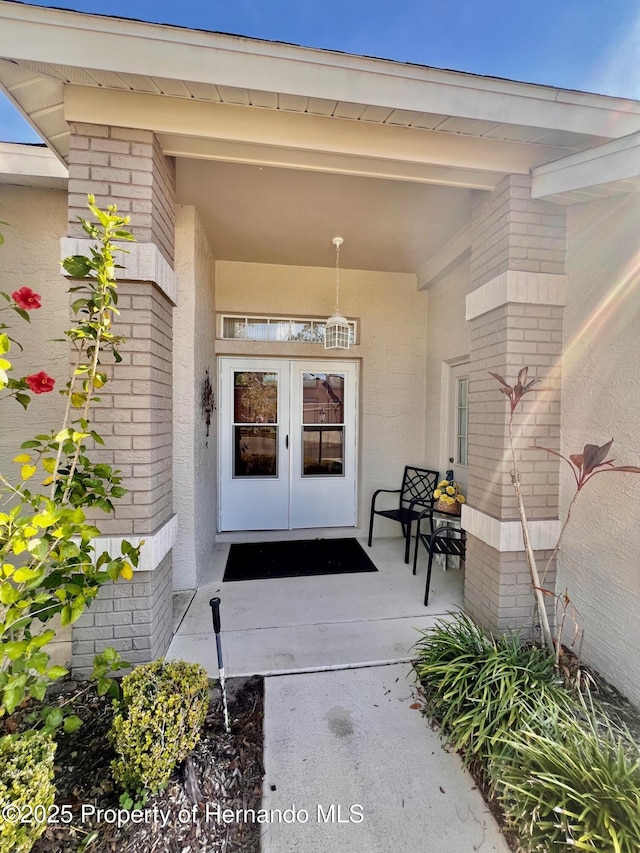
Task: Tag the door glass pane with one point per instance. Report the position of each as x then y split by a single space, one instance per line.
255 451
255 398
323 398
322 451
255 403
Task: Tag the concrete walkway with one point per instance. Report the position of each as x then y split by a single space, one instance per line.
302 624
339 730
364 771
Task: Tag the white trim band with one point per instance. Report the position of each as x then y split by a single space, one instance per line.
143 262
507 535
30 161
612 167
535 288
156 545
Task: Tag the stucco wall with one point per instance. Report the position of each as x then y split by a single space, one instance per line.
193 453
205 447
392 317
31 256
601 398
447 344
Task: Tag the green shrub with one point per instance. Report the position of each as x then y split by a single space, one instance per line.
479 688
578 788
26 782
157 722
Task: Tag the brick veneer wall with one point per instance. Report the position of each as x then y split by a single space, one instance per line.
517 262
133 617
497 588
135 413
127 168
503 341
512 231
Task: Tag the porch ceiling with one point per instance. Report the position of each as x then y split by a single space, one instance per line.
285 216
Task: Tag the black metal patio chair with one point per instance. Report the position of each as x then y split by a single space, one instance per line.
450 541
416 495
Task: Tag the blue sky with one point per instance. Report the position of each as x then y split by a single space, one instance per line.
592 45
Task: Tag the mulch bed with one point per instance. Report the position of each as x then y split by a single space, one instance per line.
225 772
226 768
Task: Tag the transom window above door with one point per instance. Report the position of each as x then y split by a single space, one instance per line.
301 330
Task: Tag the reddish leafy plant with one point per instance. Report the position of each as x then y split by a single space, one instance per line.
516 392
584 466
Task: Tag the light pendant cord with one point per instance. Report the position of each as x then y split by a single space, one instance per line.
337 279
337 242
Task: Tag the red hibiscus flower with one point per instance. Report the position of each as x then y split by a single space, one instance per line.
26 299
40 383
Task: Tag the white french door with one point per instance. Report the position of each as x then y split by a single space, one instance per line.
288 444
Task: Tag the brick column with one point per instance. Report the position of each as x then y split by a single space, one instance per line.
515 308
127 168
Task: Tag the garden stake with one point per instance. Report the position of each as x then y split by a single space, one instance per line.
214 604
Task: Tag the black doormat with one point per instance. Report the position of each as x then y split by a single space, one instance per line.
300 558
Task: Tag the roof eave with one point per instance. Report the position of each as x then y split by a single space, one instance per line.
122 45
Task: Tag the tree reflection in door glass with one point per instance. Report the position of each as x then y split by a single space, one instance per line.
255 451
255 397
255 404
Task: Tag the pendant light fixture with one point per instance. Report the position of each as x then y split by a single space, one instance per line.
337 334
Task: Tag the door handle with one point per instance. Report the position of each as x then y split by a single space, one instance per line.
286 442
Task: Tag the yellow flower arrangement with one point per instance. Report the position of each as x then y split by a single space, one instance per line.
448 491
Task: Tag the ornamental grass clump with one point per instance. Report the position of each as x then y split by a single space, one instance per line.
26 789
575 789
564 775
157 723
481 688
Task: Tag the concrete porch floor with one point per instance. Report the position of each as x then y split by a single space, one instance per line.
308 624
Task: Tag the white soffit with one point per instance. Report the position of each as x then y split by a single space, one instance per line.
37 44
190 128
607 170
